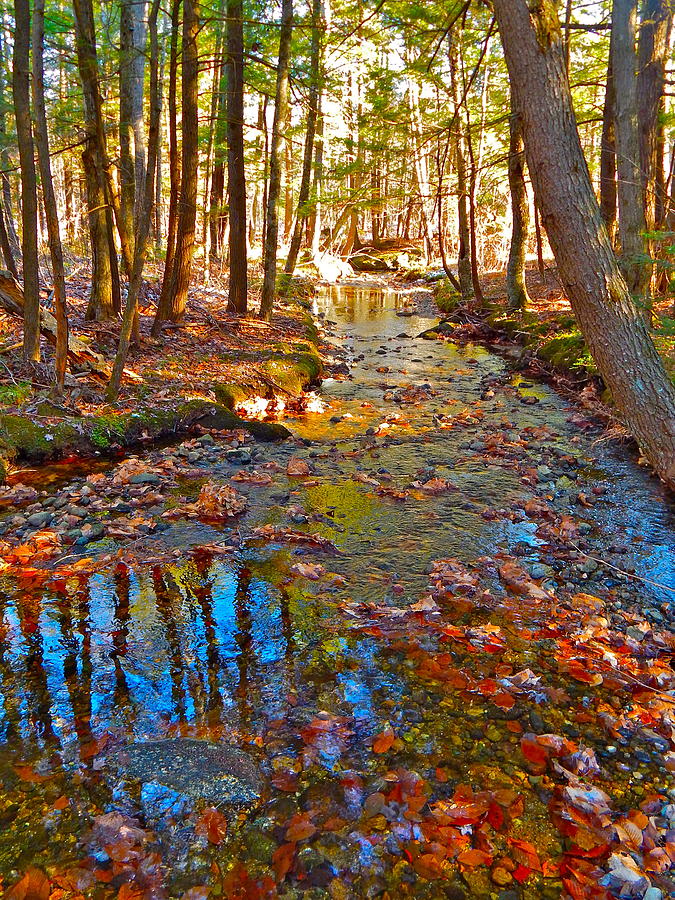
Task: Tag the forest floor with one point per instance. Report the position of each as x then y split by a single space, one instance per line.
220 361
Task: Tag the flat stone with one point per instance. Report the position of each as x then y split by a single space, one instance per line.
238 455
200 769
39 519
145 478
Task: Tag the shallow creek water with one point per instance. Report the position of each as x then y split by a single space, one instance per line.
240 650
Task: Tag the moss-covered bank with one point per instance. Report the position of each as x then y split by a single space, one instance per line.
21 437
555 341
283 370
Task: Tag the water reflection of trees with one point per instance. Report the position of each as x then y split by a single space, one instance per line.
93 653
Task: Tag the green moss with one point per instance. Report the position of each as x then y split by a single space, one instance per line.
15 394
446 297
568 351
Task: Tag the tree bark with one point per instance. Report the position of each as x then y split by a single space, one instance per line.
49 196
280 116
516 288
174 173
145 210
631 207
653 48
187 216
617 335
24 134
104 297
237 297
608 157
304 208
464 237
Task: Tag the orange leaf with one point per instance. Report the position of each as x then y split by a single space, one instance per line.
384 741
473 858
33 886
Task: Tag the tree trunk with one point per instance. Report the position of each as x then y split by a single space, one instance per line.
464 237
48 195
24 135
516 288
617 335
217 197
104 298
608 157
145 209
5 162
653 49
187 216
304 207
280 116
631 208
132 138
85 32
174 173
237 297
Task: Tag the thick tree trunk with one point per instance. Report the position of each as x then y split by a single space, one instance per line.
271 241
516 289
24 135
48 195
614 329
653 48
608 157
85 32
631 207
104 298
304 208
237 297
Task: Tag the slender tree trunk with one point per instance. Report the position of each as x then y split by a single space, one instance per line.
145 210
617 335
174 173
5 162
217 197
304 207
280 116
132 137
516 288
464 237
237 297
631 207
24 134
48 195
187 216
608 157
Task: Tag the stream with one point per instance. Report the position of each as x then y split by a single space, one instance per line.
304 660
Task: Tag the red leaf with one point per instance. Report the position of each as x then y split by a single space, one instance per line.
212 824
282 860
